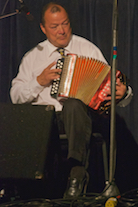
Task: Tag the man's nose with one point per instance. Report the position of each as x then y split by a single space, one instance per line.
61 29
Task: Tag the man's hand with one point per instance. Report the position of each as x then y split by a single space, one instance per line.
120 91
48 75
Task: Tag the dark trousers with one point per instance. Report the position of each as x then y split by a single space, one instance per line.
77 120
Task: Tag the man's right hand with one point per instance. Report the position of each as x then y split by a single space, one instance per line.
48 75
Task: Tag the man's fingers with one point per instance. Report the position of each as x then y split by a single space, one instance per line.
108 103
56 71
51 65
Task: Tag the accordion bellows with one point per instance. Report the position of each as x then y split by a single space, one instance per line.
82 78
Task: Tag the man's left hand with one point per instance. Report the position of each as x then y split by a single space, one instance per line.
120 92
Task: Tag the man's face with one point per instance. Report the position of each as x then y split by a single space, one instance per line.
57 28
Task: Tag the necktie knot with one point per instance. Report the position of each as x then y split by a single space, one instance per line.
61 51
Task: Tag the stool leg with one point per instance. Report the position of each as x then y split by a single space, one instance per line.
105 161
99 138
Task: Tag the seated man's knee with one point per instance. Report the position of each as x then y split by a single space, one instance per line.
73 104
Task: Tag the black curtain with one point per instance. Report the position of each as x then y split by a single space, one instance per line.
91 19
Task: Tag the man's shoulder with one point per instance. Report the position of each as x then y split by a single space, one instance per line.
81 39
84 47
36 49
83 42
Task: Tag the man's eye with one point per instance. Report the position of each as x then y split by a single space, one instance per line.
65 23
53 27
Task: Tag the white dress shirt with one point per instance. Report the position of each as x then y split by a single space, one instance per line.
26 89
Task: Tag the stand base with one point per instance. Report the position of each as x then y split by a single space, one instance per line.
110 190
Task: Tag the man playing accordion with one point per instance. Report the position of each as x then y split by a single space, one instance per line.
33 84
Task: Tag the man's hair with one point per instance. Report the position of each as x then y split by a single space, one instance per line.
55 7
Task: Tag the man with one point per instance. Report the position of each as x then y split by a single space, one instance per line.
33 84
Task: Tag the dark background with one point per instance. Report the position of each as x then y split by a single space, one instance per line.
91 19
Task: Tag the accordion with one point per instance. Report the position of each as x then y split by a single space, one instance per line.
83 78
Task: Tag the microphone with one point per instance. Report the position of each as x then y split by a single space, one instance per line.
25 9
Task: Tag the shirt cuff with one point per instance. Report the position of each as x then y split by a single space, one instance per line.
127 99
36 88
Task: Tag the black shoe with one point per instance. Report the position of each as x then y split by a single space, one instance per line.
77 182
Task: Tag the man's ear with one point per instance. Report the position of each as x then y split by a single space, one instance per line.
42 28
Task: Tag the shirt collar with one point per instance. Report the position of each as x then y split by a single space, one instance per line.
69 46
52 48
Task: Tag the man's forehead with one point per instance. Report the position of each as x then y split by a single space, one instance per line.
56 16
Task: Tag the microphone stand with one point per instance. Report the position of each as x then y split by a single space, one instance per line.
111 188
10 14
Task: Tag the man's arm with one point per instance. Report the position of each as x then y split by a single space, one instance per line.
26 88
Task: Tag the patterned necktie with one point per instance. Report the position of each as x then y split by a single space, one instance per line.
61 51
